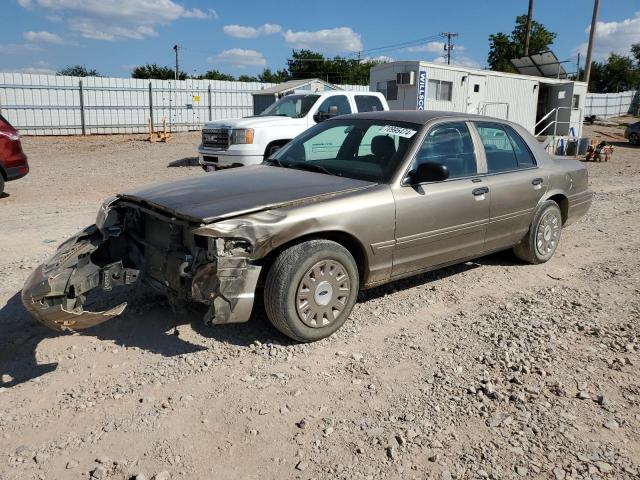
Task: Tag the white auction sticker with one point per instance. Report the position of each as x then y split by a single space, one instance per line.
398 131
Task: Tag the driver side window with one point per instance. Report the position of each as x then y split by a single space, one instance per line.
450 144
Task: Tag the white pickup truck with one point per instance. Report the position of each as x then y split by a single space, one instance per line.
250 140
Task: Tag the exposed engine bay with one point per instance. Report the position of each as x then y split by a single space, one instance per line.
133 243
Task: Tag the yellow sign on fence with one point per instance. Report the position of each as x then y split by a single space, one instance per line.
196 98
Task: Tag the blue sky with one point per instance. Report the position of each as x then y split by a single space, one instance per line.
112 36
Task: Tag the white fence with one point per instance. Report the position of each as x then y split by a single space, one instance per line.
60 105
606 105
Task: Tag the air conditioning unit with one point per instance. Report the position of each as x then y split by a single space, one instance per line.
406 78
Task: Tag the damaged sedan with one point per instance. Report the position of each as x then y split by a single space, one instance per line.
354 202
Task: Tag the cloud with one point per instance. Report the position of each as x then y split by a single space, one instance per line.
239 57
431 47
460 61
379 58
341 39
118 19
240 31
613 37
19 48
43 37
40 68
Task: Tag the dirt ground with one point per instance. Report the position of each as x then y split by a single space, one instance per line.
489 369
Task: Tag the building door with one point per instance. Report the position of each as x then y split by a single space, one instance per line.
475 93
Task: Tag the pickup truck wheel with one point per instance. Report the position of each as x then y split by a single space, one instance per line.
634 139
310 289
543 236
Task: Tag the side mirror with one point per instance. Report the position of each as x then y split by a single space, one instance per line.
321 116
428 172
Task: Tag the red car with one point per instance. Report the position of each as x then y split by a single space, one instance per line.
13 161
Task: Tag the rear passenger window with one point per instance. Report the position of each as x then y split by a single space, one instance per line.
498 148
450 144
523 155
368 103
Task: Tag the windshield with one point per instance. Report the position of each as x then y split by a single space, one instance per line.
369 150
293 106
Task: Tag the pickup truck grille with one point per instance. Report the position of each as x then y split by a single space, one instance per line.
217 138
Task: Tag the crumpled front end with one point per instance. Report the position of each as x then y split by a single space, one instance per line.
56 291
132 242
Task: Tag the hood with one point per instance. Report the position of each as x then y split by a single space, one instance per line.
257 121
227 193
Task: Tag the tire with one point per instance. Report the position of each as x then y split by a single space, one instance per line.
634 139
1 185
543 237
294 276
271 149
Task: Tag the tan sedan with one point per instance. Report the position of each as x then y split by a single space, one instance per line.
354 202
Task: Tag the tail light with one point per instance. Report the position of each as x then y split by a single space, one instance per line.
7 131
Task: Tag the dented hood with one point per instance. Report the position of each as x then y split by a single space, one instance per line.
226 193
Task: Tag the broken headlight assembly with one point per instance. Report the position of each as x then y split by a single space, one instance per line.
103 219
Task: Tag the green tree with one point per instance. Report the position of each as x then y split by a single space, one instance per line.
156 72
267 76
247 78
635 51
617 74
339 70
503 48
79 71
215 75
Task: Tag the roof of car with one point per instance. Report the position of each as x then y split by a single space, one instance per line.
413 116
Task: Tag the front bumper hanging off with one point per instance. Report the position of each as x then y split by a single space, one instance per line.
55 292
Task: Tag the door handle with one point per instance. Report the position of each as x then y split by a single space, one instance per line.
480 191
537 181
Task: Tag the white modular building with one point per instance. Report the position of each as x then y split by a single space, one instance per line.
545 106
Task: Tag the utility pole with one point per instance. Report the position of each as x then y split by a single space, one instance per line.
448 47
578 68
176 48
592 33
527 34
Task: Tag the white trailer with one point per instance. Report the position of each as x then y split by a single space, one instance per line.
545 106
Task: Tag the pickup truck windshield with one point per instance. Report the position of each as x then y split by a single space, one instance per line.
369 150
293 106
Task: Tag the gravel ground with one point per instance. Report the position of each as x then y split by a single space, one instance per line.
489 369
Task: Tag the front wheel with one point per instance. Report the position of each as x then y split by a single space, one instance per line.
310 289
543 236
634 139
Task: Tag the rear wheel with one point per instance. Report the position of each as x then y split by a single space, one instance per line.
310 289
543 236
634 139
1 185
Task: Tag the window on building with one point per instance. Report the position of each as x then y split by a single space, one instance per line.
388 89
439 90
476 88
575 103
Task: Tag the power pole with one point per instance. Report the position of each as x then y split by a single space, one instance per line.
592 33
176 48
578 68
527 34
448 47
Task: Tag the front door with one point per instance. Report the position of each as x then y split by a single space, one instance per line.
515 182
440 222
475 93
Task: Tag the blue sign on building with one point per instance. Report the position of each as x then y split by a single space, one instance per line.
422 88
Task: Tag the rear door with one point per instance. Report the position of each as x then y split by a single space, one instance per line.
440 222
516 184
475 93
